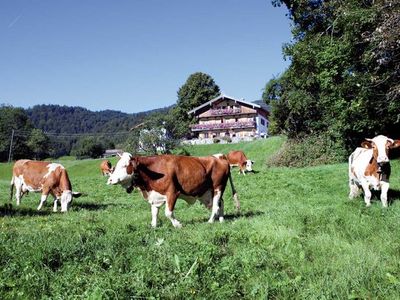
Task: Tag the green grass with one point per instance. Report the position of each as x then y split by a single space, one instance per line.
297 237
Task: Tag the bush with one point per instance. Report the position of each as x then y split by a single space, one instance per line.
182 151
88 147
216 140
227 139
308 151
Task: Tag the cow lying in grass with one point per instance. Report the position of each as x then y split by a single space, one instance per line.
165 178
369 167
45 177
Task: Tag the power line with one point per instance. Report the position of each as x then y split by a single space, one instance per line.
24 133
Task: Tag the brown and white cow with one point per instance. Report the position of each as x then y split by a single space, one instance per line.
45 177
237 158
106 168
164 178
369 167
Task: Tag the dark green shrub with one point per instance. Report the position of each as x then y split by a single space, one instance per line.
216 140
308 151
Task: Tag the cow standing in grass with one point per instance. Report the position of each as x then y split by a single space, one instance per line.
106 168
369 167
237 158
162 179
45 177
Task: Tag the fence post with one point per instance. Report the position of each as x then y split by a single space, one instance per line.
11 144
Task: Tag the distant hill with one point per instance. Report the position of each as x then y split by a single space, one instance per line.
72 120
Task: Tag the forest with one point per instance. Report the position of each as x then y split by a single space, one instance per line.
53 130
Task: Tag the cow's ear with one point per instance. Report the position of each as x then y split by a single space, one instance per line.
395 144
252 161
366 144
133 164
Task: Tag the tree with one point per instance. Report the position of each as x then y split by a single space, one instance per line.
343 80
88 147
152 137
14 118
199 88
39 143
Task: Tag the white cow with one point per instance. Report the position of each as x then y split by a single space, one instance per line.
369 167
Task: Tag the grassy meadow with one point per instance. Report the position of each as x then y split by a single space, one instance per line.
297 237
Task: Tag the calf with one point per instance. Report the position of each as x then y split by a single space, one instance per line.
45 177
369 167
162 179
238 159
106 168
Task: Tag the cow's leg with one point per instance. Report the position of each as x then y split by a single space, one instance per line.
42 201
18 189
18 193
154 215
221 210
367 193
215 206
384 192
55 204
169 210
354 189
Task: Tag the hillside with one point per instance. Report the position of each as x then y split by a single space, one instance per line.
297 237
66 119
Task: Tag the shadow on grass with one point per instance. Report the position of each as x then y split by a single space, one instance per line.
393 195
8 210
230 217
92 206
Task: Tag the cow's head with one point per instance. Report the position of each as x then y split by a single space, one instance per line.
123 172
380 146
249 165
66 199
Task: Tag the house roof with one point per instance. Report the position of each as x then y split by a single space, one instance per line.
223 96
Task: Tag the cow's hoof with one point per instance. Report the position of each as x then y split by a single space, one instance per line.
177 225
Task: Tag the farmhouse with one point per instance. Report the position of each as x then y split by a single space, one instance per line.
225 116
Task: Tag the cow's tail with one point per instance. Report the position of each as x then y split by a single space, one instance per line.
234 193
12 188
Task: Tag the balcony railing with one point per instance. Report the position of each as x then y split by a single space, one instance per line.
225 111
216 126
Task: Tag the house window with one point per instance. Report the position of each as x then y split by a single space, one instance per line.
206 135
262 122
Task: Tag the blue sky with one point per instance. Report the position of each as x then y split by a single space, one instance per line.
134 55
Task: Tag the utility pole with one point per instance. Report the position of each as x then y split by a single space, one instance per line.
11 144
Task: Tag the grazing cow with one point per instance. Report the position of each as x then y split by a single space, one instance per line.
239 159
369 167
162 179
45 177
106 168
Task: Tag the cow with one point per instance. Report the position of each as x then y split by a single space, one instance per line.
162 179
237 158
106 168
369 167
45 177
